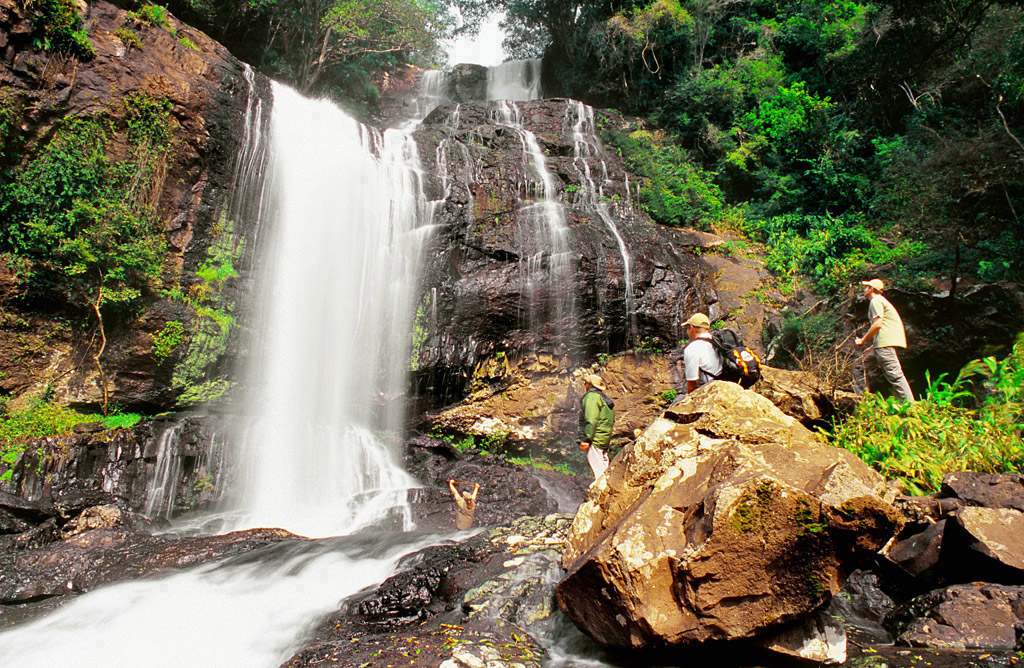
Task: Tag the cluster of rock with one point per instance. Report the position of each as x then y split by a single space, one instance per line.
482 602
122 465
729 521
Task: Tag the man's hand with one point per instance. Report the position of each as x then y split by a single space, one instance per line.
858 341
584 445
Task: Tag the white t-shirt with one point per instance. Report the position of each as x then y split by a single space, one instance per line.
701 361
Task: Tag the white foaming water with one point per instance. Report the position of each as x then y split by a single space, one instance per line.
249 612
337 301
517 80
587 147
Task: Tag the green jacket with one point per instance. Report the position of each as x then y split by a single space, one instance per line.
596 419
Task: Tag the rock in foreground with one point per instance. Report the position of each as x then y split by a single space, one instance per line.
726 519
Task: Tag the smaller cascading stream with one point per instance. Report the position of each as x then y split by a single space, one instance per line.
587 148
430 92
542 219
160 494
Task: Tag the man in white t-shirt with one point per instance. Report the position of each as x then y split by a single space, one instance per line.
888 334
701 363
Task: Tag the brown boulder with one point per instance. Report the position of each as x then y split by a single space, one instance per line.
725 519
969 616
996 534
803 395
1003 490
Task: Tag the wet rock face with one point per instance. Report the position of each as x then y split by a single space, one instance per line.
60 477
724 520
459 606
117 547
208 93
495 281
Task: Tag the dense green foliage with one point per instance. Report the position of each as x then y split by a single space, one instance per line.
82 220
339 48
847 133
41 418
972 424
58 27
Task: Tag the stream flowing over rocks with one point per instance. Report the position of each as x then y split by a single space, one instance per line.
724 533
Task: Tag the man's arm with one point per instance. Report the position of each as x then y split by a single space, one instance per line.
876 325
691 385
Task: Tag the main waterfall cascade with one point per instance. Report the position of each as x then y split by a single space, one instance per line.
338 297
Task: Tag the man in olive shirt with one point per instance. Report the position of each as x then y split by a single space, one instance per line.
597 417
888 334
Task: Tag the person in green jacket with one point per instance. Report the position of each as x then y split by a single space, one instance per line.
597 415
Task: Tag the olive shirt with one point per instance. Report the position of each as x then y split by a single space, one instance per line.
596 419
891 332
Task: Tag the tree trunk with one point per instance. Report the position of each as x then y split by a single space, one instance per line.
103 342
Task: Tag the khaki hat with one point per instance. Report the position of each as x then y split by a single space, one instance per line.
596 381
698 320
875 283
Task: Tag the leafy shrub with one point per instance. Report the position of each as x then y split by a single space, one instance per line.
58 27
832 250
129 38
674 191
187 43
971 424
168 339
153 15
121 420
39 419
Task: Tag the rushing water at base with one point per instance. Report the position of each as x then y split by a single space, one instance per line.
250 611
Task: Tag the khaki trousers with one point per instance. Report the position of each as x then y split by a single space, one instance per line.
598 460
885 360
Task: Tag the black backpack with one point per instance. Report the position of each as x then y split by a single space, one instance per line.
740 364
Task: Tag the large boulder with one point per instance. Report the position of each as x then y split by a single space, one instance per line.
725 519
804 396
1002 490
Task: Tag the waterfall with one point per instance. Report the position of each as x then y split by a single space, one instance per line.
517 80
430 93
162 488
346 223
338 282
586 148
547 271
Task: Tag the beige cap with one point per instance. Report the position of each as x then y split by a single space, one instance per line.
875 283
698 320
596 381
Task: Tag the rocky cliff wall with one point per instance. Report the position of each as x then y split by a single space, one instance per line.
208 93
492 287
